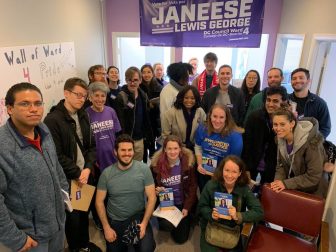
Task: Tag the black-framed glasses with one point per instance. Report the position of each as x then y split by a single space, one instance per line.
26 104
79 95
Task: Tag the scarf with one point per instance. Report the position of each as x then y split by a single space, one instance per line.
176 85
202 82
189 120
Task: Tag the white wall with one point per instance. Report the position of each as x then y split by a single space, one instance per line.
45 21
308 17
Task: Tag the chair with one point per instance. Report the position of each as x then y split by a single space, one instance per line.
296 211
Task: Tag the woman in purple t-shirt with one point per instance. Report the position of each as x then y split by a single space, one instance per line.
173 167
104 124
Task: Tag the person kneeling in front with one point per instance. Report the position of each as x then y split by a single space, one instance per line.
126 219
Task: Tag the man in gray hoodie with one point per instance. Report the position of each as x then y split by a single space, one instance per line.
32 213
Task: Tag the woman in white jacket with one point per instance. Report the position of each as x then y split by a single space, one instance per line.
184 117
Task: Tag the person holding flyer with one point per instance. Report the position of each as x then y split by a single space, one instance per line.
218 138
173 167
230 178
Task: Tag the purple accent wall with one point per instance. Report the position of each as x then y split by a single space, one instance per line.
271 25
123 16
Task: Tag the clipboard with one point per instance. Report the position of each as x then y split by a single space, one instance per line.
81 196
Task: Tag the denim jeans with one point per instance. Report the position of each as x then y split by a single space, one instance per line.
146 244
55 244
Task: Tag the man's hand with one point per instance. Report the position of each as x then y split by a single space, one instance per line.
110 234
30 243
84 176
143 227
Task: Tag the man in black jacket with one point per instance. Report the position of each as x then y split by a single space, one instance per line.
132 107
76 150
259 149
225 94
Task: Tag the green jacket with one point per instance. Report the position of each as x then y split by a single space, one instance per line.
206 203
255 104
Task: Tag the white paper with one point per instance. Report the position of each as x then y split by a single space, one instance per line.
276 227
67 200
174 216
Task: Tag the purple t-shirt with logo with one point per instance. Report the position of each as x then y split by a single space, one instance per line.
174 181
104 126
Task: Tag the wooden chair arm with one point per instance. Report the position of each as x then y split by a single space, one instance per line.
324 238
247 229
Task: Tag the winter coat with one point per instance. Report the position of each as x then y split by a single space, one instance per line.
126 112
63 130
189 183
174 123
236 98
302 169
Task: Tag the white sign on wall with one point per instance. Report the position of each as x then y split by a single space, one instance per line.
47 66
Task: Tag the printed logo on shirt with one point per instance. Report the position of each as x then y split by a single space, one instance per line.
218 144
102 126
170 181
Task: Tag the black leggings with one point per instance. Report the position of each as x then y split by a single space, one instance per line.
180 234
77 229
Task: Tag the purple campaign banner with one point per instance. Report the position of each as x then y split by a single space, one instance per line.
201 23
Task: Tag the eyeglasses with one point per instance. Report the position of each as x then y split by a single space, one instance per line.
79 95
26 104
133 81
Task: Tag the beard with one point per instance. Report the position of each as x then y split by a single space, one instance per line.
122 163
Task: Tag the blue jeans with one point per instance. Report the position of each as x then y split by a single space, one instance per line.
146 244
55 244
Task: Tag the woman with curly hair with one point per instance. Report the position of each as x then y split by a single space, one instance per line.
184 117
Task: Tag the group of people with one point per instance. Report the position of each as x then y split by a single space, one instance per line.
198 130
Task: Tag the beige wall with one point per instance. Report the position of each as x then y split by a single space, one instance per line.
308 17
45 21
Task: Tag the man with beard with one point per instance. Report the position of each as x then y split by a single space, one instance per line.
259 147
225 94
309 104
125 184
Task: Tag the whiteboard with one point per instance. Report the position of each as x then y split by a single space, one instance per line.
47 66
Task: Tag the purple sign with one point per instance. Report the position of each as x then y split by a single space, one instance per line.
208 23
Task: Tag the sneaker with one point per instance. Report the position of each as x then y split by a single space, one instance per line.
84 250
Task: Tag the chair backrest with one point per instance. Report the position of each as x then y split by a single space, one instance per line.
294 210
